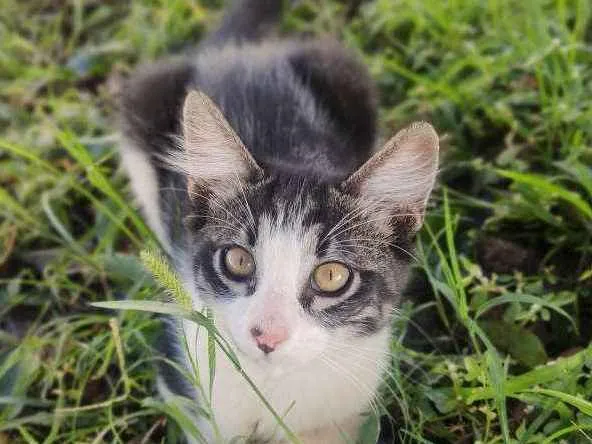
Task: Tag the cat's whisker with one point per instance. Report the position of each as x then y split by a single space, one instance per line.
223 223
374 352
375 401
335 342
213 199
246 205
407 252
342 250
225 227
360 239
370 357
370 221
385 376
365 355
348 228
354 212
365 391
169 188
420 330
339 371
377 243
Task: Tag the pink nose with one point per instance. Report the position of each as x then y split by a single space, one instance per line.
268 340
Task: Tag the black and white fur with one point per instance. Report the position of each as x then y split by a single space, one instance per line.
268 145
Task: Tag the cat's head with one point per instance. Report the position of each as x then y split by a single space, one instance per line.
292 266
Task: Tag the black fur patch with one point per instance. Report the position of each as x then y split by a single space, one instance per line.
339 81
170 348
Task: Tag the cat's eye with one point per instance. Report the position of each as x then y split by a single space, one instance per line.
239 262
331 276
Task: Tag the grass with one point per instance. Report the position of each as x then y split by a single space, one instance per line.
493 341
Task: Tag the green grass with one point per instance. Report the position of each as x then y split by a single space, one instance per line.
493 341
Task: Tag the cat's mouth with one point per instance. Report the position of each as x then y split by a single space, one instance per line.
257 358
249 356
273 364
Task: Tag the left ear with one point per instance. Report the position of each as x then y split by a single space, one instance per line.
214 156
400 177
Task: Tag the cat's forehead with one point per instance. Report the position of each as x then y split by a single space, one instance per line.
287 246
295 216
315 217
298 202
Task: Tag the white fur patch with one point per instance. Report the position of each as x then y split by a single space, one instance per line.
285 257
326 393
144 185
318 380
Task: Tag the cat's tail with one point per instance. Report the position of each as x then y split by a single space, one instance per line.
247 21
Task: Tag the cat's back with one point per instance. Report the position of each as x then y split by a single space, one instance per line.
289 104
303 107
270 107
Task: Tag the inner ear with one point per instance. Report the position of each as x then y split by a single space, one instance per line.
214 157
399 178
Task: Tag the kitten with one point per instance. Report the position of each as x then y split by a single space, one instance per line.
252 162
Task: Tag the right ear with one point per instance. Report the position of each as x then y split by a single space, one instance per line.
400 177
214 157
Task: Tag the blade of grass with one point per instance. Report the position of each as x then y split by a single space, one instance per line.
525 298
581 404
554 438
74 183
544 185
101 182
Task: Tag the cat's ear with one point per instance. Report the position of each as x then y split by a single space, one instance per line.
398 180
214 157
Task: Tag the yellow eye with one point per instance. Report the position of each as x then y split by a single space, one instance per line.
239 262
331 276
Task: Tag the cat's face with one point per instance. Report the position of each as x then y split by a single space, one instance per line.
292 267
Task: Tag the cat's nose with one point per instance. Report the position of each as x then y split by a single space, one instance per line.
268 340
